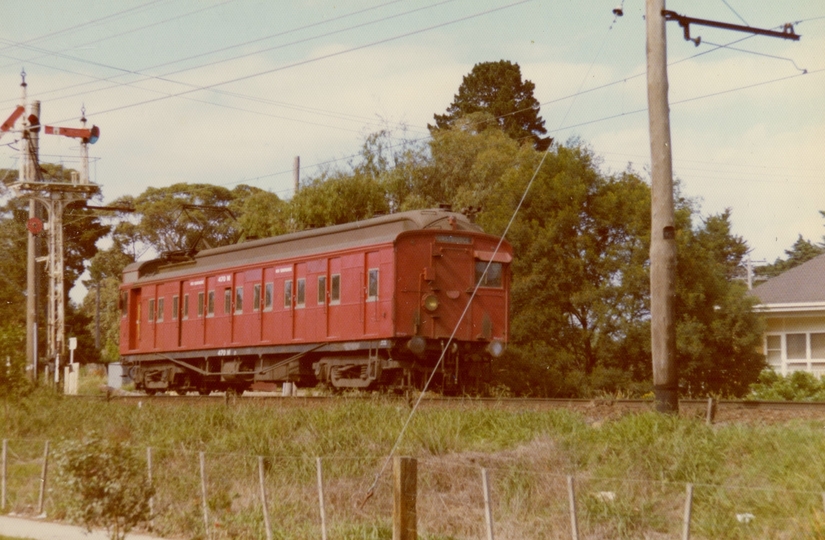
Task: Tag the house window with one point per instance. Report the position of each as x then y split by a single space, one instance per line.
372 285
817 346
796 346
269 292
322 290
175 306
288 294
335 289
301 289
238 299
773 350
256 297
160 309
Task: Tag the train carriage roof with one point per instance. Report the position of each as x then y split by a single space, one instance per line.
378 230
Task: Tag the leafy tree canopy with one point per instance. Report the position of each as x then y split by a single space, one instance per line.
498 89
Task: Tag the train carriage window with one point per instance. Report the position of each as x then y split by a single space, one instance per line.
151 311
288 294
200 304
124 303
493 276
185 306
175 306
300 292
160 310
227 300
372 285
256 297
269 292
322 290
335 289
210 304
238 299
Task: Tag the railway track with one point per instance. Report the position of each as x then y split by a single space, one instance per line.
720 411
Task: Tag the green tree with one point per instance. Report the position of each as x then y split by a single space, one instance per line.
498 89
802 251
717 332
105 276
338 197
182 217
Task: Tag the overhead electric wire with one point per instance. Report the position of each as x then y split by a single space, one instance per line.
88 23
316 58
99 40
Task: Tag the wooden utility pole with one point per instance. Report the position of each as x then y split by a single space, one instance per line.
662 230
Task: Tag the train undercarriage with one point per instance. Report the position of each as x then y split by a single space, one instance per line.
384 365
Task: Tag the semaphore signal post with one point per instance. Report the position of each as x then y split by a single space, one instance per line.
53 197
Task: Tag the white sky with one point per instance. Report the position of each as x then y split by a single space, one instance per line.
229 91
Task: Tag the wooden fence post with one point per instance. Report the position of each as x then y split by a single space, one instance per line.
261 477
488 512
41 500
404 519
574 522
202 460
3 470
688 509
711 412
321 498
149 476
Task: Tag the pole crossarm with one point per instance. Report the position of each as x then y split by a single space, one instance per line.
684 21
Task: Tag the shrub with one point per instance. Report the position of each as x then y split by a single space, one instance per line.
797 386
109 485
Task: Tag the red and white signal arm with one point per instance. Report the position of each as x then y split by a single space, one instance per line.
35 225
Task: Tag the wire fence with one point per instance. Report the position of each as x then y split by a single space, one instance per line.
231 495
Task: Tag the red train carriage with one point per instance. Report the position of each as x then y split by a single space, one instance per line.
371 304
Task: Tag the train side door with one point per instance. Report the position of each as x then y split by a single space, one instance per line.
134 318
299 315
333 284
372 299
454 269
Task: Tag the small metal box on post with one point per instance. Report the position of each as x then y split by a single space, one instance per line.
405 487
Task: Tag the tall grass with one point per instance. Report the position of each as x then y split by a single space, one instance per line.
630 472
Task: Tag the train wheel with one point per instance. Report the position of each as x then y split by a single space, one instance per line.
204 390
151 391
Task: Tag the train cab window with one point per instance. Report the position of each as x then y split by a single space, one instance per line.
256 297
288 294
372 285
300 292
210 304
227 300
322 290
200 304
335 289
238 299
269 292
185 306
160 310
175 307
151 311
493 277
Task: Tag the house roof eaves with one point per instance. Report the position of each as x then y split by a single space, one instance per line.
790 307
